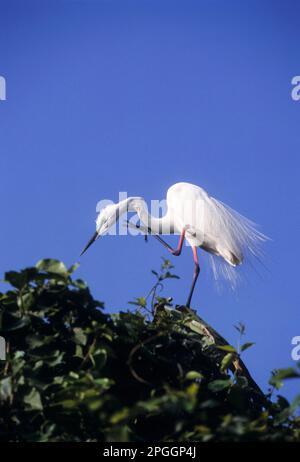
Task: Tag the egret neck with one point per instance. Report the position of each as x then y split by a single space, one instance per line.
163 225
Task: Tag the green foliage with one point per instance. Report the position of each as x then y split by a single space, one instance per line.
74 373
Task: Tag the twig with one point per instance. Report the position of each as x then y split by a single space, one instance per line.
134 350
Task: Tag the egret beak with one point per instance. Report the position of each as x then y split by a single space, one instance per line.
94 237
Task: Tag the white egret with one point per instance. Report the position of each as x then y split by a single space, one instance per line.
202 220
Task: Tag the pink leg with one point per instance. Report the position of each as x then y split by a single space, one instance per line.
175 252
195 276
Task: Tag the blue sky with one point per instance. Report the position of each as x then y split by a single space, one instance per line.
108 96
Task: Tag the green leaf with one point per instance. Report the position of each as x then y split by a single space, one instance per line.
33 400
169 275
16 279
68 404
17 324
226 361
281 374
5 389
139 301
247 345
25 301
80 284
166 264
19 279
288 373
199 328
80 336
120 416
288 411
219 385
100 358
282 402
35 341
73 268
78 351
228 348
52 266
241 328
192 375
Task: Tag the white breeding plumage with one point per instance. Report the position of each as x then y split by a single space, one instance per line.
218 229
199 218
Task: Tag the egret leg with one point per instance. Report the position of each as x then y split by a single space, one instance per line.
175 252
195 276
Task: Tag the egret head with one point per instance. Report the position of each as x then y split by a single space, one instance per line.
106 218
